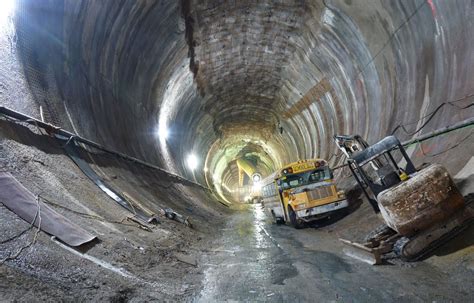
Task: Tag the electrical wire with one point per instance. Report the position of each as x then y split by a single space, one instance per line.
32 242
88 216
430 116
391 38
446 150
392 35
25 123
16 236
421 148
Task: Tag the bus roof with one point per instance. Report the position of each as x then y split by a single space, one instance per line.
302 166
303 161
271 178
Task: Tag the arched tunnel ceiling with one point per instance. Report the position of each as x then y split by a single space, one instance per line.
240 50
278 77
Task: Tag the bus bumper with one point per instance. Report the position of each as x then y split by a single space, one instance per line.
323 209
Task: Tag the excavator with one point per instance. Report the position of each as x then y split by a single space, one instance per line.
421 208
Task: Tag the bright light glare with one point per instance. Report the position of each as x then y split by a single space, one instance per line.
163 132
256 187
192 161
6 9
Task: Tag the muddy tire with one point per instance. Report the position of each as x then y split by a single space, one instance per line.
293 219
277 220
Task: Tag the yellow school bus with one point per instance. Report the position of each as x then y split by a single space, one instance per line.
301 192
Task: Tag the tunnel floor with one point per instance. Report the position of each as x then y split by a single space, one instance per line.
256 260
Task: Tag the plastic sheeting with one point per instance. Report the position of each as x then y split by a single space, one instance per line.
22 202
70 147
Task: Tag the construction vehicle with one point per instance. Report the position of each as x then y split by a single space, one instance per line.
422 209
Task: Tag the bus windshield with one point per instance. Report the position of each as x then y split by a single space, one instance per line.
305 178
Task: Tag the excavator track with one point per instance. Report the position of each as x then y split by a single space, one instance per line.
419 246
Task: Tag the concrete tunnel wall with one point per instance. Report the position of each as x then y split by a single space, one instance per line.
277 78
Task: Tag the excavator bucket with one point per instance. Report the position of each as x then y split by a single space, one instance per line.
361 252
379 242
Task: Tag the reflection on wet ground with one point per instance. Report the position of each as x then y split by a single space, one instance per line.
246 262
255 260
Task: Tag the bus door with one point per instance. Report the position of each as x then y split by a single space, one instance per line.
282 199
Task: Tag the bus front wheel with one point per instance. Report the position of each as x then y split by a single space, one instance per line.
295 222
277 220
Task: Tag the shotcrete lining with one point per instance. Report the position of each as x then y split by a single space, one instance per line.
124 68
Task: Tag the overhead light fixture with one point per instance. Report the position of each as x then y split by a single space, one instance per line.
7 7
256 177
192 161
163 131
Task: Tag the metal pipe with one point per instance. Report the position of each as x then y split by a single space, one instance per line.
438 132
447 129
59 131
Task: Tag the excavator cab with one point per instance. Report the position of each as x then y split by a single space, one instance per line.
384 171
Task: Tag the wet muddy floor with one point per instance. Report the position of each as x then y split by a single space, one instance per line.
256 260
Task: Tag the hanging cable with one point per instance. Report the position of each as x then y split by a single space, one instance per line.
446 150
93 217
35 237
431 115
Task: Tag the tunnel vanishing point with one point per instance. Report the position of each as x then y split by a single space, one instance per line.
183 103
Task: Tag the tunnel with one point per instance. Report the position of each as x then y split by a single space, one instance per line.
194 98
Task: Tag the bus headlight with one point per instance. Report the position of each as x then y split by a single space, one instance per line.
341 194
